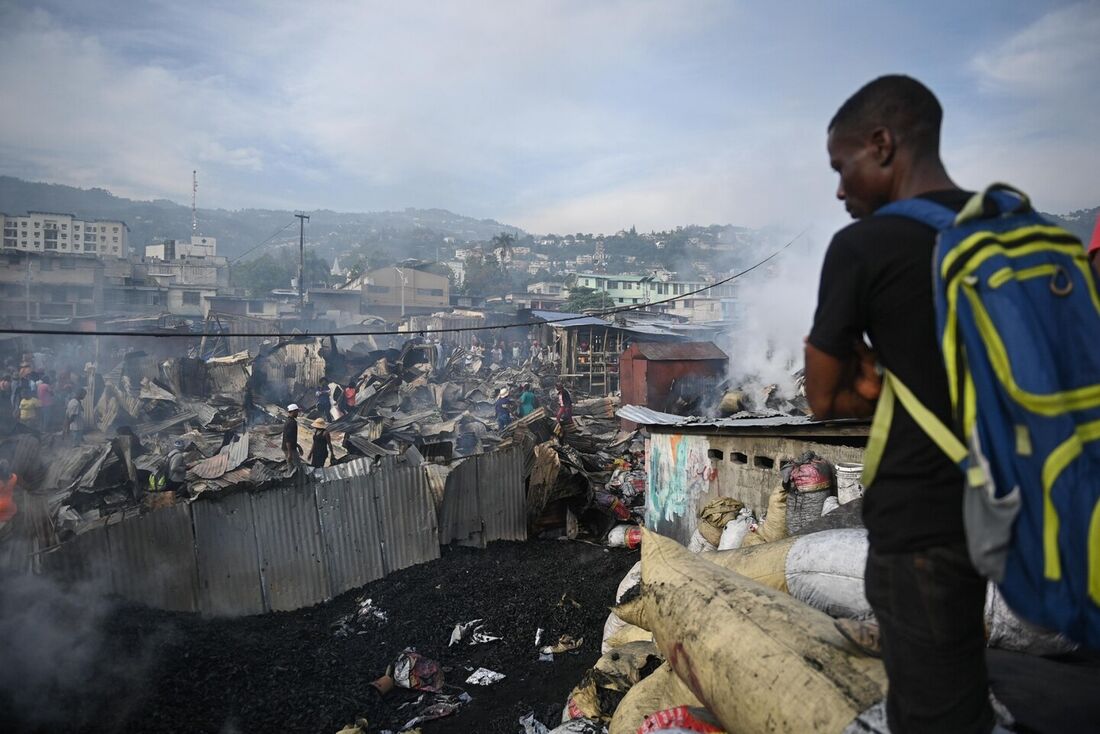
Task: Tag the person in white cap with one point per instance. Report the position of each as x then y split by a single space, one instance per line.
290 435
504 407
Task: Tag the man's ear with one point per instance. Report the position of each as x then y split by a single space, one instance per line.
883 145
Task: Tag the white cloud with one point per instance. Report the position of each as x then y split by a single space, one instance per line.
1059 52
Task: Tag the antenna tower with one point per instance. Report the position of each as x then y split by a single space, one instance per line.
194 211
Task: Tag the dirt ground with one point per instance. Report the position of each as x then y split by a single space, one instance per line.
290 672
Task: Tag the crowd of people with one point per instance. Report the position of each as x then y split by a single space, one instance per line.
46 400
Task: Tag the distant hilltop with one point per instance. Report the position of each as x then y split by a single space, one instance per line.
237 231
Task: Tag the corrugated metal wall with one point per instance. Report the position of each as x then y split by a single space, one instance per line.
303 543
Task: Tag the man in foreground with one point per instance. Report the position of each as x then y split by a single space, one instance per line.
877 281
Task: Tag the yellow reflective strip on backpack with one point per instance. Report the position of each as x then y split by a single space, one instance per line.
1094 554
974 240
1006 274
1056 463
1051 404
932 426
880 430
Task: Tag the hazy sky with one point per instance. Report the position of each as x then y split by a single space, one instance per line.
554 116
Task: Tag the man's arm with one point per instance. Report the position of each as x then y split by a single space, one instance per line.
839 389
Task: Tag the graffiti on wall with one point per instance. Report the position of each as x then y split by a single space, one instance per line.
679 473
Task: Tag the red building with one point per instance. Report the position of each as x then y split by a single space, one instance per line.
666 376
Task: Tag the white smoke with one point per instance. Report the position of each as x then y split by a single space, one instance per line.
775 304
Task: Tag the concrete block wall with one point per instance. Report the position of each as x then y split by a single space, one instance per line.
688 471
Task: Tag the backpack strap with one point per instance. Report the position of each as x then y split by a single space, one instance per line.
936 216
893 389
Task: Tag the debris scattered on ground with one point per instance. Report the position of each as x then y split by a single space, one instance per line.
484 677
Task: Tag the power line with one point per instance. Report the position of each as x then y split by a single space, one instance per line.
253 249
394 332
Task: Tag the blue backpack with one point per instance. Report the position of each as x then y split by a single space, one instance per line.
1018 317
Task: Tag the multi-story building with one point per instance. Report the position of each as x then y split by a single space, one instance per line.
49 286
713 304
188 272
46 232
393 291
199 246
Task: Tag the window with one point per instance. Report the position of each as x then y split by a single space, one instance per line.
378 289
114 239
116 229
738 457
191 298
429 291
24 224
89 246
64 226
714 454
103 238
633 300
64 236
37 225
763 462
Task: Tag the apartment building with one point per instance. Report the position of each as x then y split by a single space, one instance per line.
48 232
49 286
714 304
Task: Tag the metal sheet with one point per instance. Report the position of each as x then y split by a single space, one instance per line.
288 536
350 532
502 495
410 533
85 558
227 558
679 351
647 417
460 517
153 559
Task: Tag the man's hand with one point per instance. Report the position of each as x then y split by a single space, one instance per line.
842 389
867 382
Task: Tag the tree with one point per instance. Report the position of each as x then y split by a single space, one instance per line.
585 299
503 243
264 274
483 276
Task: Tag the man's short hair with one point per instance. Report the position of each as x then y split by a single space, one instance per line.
898 102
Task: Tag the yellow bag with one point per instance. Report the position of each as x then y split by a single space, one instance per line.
714 516
765 563
661 690
774 526
733 640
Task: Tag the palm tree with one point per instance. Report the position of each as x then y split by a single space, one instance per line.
503 243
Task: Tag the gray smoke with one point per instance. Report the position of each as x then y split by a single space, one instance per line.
56 668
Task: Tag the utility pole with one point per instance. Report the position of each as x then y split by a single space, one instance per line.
194 211
302 219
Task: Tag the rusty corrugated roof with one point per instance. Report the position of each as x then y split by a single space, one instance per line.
679 351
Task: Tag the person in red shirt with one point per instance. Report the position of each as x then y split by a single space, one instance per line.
8 480
45 397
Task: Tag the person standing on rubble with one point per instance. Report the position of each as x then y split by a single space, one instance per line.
324 398
74 417
504 407
564 416
322 444
528 401
877 280
290 435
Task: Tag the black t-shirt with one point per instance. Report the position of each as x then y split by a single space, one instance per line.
290 433
877 279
